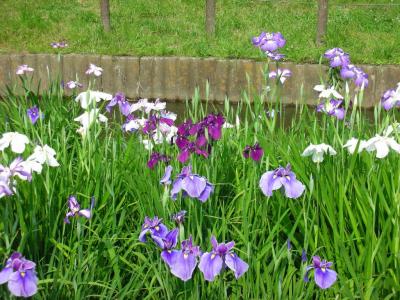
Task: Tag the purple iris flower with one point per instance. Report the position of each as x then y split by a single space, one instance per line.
275 55
179 217
75 209
182 262
155 228
255 152
289 244
56 45
193 185
211 263
166 179
332 107
168 243
124 106
281 177
337 57
20 275
357 74
33 114
155 158
324 277
391 98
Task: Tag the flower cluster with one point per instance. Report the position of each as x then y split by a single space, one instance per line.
192 185
20 168
182 262
339 59
57 45
192 138
391 98
270 44
20 275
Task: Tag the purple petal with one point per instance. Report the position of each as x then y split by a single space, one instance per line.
293 187
166 179
176 187
236 264
125 108
256 154
23 284
210 265
85 213
142 235
5 274
206 192
183 156
194 185
269 182
184 266
169 256
325 278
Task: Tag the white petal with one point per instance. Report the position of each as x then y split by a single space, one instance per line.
318 157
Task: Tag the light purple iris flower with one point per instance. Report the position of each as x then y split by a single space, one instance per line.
337 57
281 178
73 84
33 114
391 98
270 43
95 70
356 74
75 209
21 70
166 179
124 106
255 152
182 262
155 228
56 45
332 107
168 243
193 185
303 256
20 275
324 277
282 75
16 168
221 256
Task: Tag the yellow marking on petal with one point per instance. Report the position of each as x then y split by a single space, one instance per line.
287 177
145 226
233 255
213 256
323 269
274 176
185 255
22 274
169 251
157 228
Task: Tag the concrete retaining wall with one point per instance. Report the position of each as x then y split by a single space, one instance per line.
175 78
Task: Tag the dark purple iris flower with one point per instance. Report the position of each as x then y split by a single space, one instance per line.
20 275
281 178
337 57
332 107
193 185
324 277
75 209
212 125
33 114
157 157
179 217
255 152
120 99
155 228
221 256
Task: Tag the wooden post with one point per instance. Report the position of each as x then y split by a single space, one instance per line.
210 17
105 14
322 21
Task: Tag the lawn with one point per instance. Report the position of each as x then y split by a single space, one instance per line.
365 28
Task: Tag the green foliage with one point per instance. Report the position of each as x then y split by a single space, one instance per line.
349 213
152 27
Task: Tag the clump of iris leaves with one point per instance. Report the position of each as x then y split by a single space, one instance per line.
348 214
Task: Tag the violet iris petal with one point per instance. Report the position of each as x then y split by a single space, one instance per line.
33 114
75 209
324 277
211 263
156 229
166 179
281 177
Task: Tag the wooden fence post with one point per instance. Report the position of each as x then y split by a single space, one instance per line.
210 17
322 21
105 14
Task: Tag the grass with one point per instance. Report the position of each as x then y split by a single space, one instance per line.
349 213
168 28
